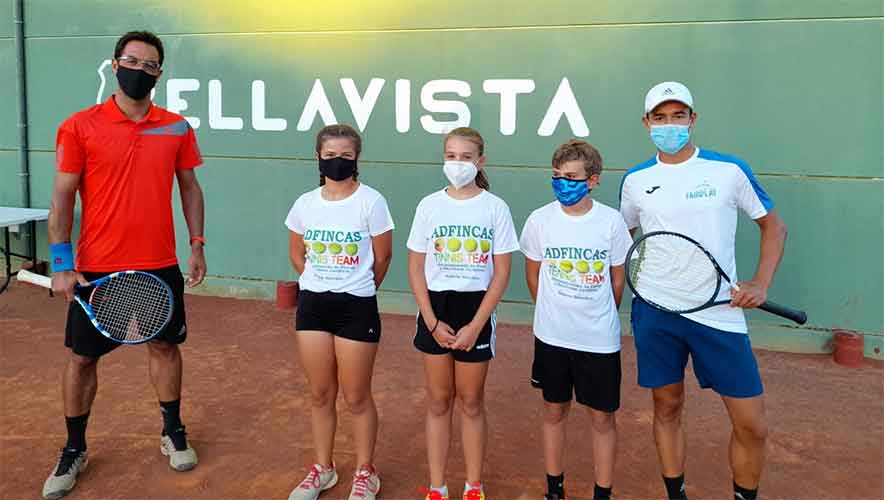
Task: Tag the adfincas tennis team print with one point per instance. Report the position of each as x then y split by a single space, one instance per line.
577 273
462 251
334 254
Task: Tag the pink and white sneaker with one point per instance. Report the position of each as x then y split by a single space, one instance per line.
318 480
366 483
473 491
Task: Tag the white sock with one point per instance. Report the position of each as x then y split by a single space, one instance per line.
442 490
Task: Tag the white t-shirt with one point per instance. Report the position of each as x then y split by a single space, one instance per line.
460 237
698 198
575 303
337 235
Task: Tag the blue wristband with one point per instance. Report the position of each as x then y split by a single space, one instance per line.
62 257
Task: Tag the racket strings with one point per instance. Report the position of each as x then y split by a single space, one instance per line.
673 273
132 306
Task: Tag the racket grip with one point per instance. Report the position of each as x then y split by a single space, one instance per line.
34 279
795 315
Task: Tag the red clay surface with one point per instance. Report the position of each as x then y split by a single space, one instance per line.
245 405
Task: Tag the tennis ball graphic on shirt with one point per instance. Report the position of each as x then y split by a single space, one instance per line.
334 248
439 244
453 245
318 247
566 266
470 245
351 249
598 266
486 246
582 266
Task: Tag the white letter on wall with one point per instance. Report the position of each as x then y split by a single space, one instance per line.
361 107
508 90
259 111
174 102
317 102
433 105
217 120
563 103
403 106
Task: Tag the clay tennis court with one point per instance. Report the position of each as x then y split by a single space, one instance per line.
246 407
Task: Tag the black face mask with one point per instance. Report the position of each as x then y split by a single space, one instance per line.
337 168
135 83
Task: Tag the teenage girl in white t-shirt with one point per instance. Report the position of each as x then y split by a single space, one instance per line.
459 266
341 245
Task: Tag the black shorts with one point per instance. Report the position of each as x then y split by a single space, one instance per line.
457 309
593 377
341 314
81 336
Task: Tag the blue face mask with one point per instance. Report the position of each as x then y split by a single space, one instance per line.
569 191
670 138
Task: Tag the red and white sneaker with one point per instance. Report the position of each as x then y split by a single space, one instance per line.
318 480
473 491
366 483
434 494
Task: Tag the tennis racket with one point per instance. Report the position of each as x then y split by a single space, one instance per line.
674 273
130 307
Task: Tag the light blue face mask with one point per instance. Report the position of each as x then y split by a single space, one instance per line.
569 191
670 138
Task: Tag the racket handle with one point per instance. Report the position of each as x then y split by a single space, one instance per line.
34 279
795 315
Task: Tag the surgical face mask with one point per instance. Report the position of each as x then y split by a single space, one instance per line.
135 83
670 138
460 173
569 191
337 168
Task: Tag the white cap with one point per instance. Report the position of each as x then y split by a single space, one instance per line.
668 91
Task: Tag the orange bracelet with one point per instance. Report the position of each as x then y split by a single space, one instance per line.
199 239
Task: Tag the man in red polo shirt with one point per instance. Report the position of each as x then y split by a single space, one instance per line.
122 157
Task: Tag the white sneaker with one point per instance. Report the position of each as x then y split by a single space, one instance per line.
318 480
64 476
366 483
178 460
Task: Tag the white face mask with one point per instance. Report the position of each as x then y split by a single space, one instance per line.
460 173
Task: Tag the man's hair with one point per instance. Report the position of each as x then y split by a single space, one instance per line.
139 36
575 149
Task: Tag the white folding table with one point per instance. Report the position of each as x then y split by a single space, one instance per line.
13 217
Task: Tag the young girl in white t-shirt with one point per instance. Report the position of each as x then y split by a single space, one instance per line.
459 263
341 245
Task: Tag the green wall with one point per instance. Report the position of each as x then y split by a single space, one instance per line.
793 87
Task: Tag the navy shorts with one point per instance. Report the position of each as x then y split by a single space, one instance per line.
723 361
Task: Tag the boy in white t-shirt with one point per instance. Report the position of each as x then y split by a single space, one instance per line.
574 250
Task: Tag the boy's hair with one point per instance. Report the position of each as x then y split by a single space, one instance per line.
475 137
577 149
338 131
139 36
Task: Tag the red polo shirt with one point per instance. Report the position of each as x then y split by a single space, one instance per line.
127 171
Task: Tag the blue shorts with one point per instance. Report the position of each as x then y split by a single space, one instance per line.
722 360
